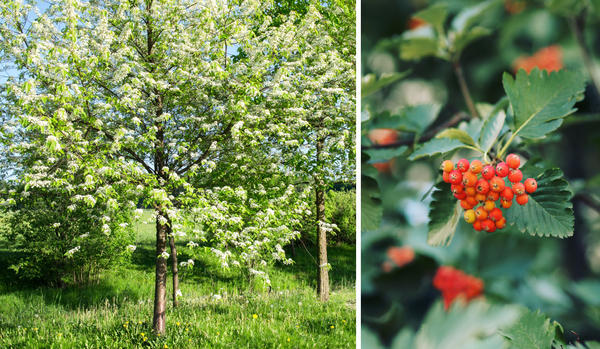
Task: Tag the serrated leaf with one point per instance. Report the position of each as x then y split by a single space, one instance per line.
540 100
473 127
455 133
411 119
370 203
434 14
383 154
371 84
418 43
491 129
532 330
472 326
549 211
444 212
436 146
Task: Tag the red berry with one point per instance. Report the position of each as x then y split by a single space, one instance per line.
461 195
505 203
470 191
497 184
456 188
530 185
476 166
477 225
466 205
471 200
455 177
462 165
502 169
488 172
518 188
480 213
513 161
522 199
482 186
489 205
495 214
488 225
507 194
501 223
515 176
447 166
480 197
446 177
492 196
469 179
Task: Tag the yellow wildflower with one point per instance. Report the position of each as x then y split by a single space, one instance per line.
332 326
254 316
177 323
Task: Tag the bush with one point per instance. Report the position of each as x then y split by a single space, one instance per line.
340 209
61 242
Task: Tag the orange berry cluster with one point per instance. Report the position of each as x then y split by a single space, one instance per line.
454 283
479 186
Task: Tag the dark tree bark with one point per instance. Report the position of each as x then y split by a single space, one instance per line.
323 281
174 269
160 284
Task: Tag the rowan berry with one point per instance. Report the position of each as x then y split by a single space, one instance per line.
501 223
530 185
488 172
522 199
507 194
461 195
477 225
505 203
456 188
495 214
465 205
470 191
476 166
471 200
513 161
446 177
480 197
480 213
469 179
492 196
518 188
462 165
469 216
502 169
489 205
455 177
488 225
515 176
497 184
447 166
482 186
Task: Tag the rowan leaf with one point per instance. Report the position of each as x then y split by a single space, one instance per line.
455 133
540 100
418 43
383 154
410 119
444 212
491 129
532 330
549 211
371 83
434 14
436 146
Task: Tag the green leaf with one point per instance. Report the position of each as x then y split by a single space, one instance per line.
566 8
491 129
455 133
532 330
470 16
540 100
465 326
371 208
411 119
549 211
419 43
371 84
383 154
463 39
434 15
436 146
444 212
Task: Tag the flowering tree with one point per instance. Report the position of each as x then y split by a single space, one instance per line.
166 95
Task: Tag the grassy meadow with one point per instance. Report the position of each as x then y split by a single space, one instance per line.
218 308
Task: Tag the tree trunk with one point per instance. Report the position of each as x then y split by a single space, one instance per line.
174 267
160 284
323 286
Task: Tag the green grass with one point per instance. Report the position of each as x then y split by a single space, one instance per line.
117 311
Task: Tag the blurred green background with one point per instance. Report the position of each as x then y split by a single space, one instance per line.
558 277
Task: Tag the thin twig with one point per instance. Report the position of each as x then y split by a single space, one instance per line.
455 120
465 89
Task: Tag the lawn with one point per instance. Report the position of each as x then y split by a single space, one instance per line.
218 309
